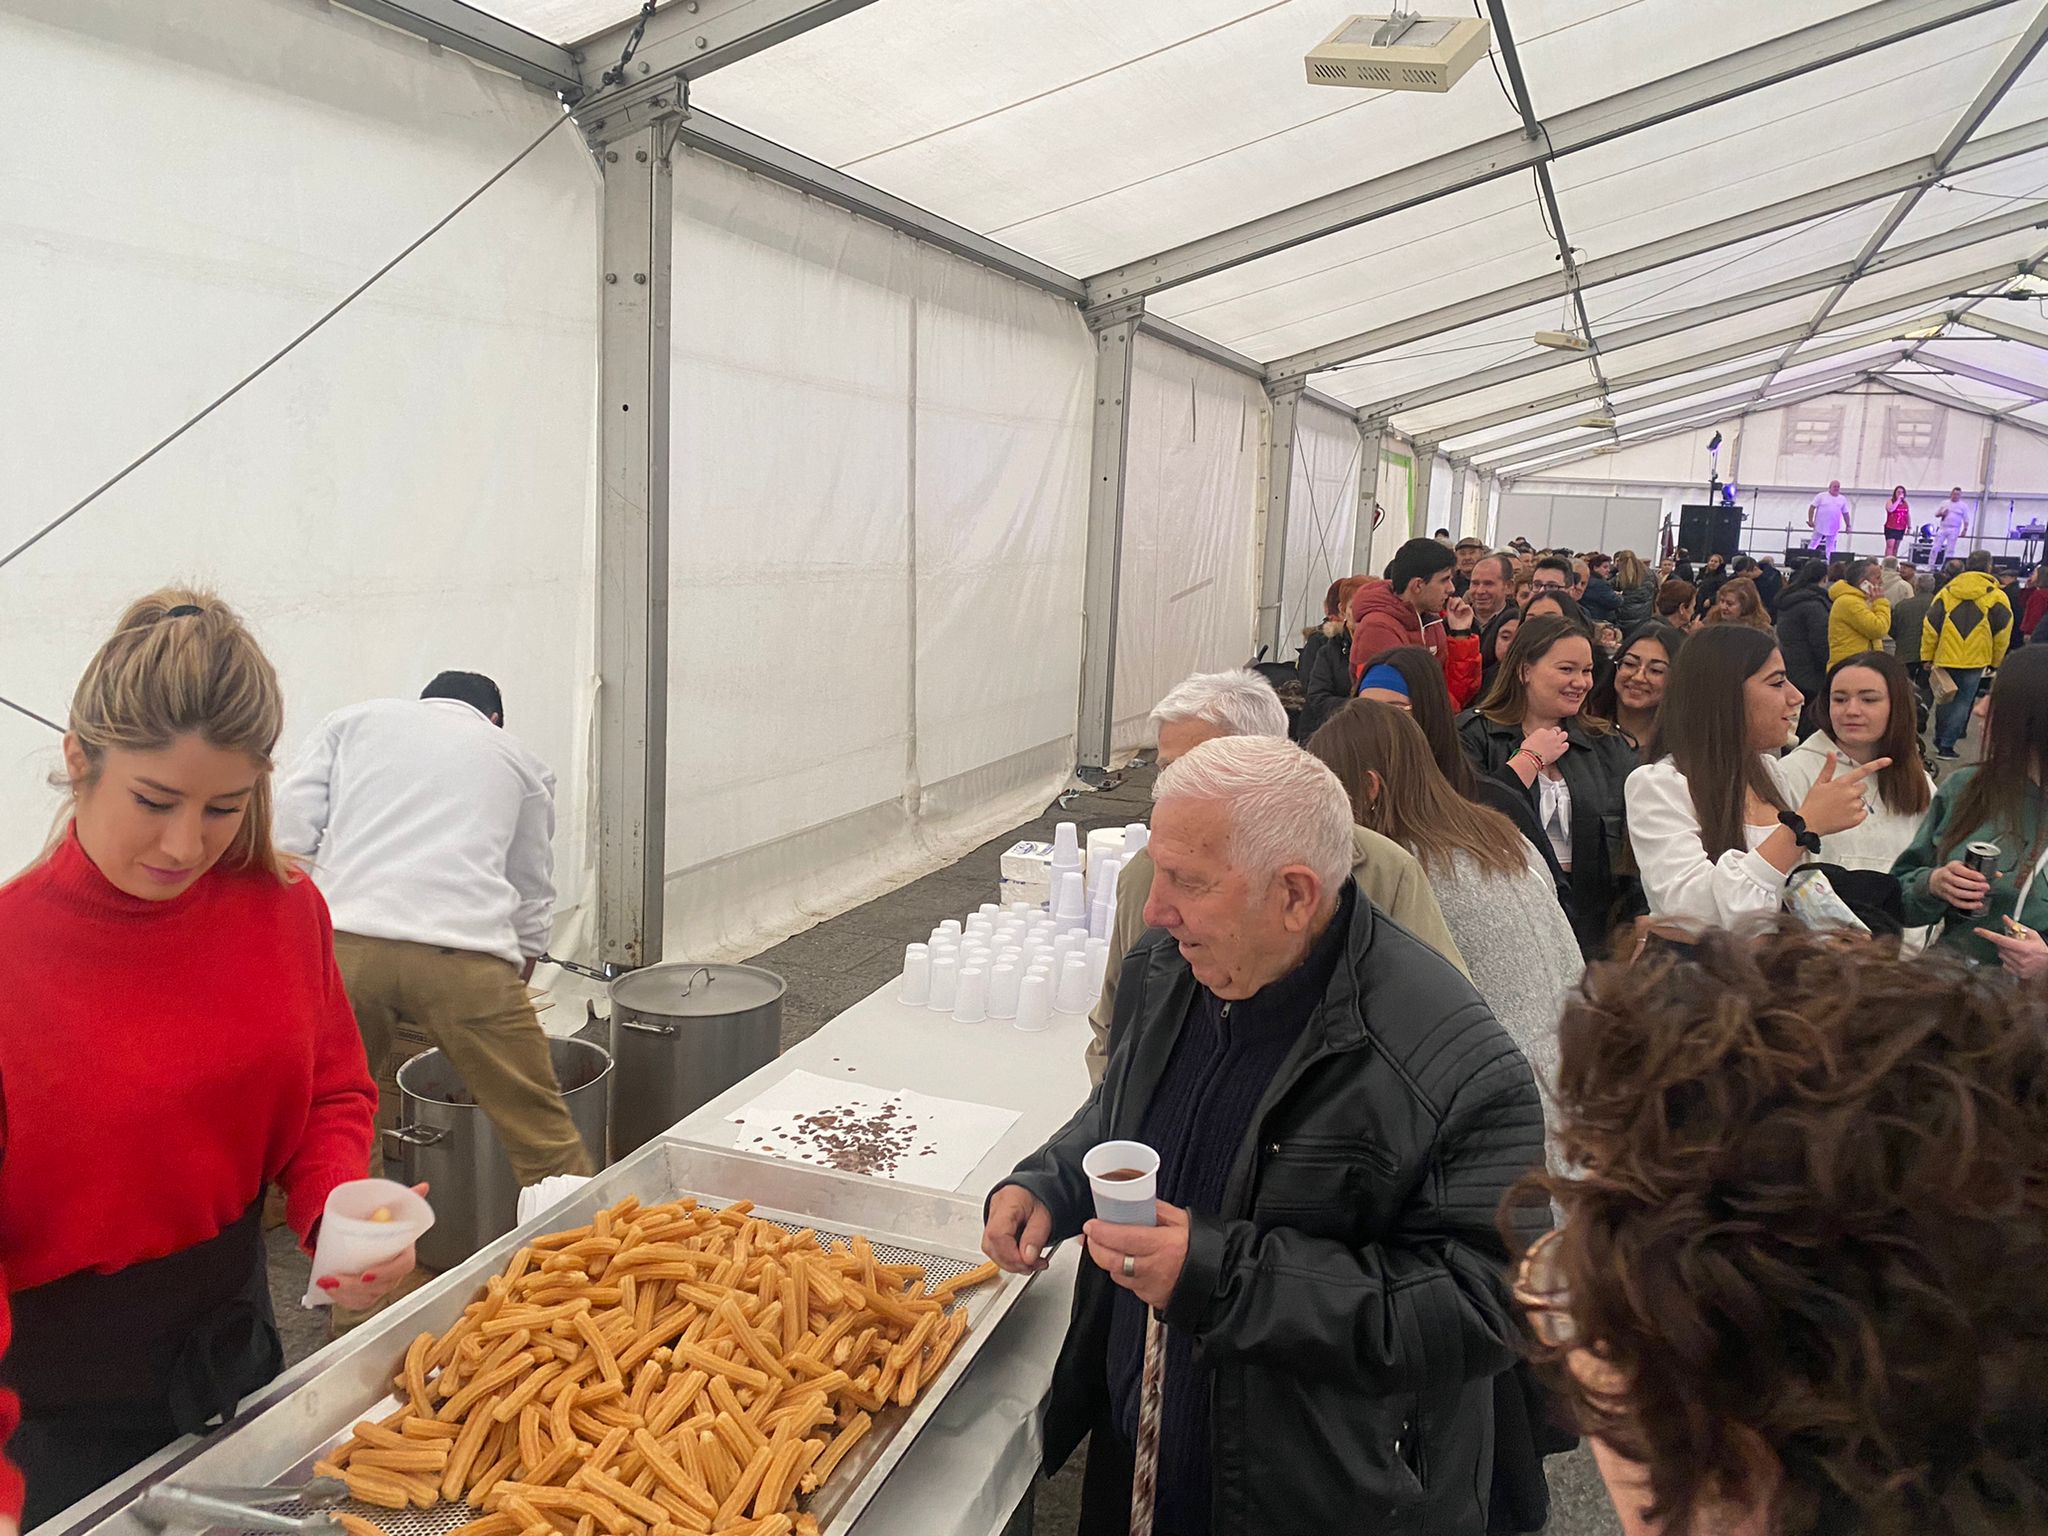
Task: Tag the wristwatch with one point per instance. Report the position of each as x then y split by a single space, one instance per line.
1808 840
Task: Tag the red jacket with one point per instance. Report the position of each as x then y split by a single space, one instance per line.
1380 621
163 1062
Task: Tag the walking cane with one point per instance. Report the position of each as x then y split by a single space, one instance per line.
1145 1473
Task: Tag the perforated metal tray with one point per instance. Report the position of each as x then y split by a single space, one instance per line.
277 1438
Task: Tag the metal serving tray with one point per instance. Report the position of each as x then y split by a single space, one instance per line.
281 1432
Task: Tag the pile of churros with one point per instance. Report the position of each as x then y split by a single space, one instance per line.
669 1370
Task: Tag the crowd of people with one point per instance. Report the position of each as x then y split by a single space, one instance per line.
1598 1020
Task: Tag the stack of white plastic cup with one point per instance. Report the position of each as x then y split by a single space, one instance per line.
1034 1003
1066 857
1070 901
1098 964
1073 996
1102 900
916 991
1004 982
970 997
1136 836
945 983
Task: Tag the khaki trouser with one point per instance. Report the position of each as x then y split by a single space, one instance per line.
410 998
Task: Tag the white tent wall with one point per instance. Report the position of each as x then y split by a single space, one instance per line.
1189 602
413 488
1397 494
1322 508
878 502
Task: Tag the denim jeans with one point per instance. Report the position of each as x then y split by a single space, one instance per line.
1952 720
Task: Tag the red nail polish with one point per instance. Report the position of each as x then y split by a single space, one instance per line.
368 1278
328 1283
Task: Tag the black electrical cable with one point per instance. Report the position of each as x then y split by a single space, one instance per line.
23 709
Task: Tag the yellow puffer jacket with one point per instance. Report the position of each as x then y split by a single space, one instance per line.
1969 623
1855 623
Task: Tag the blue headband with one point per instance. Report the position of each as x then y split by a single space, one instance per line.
1380 675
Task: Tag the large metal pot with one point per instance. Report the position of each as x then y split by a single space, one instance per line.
444 1139
683 1034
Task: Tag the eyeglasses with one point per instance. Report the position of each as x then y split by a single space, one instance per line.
1549 586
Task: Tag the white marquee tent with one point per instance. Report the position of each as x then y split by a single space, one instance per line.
858 412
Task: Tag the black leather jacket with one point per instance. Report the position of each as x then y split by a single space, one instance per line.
1350 1299
1602 892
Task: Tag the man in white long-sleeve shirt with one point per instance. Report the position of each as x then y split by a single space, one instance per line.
430 831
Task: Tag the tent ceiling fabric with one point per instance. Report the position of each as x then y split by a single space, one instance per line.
1092 136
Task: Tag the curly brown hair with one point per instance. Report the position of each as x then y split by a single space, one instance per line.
1806 1246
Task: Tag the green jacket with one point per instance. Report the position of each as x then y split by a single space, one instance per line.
1921 859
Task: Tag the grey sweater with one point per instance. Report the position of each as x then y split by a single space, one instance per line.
1518 946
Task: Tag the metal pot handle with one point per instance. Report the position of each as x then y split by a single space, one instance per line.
416 1135
667 1030
690 981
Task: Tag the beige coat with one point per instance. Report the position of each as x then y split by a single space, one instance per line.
1386 873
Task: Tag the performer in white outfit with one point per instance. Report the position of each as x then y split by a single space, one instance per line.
1828 517
1951 522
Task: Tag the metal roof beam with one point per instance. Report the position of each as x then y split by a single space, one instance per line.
1687 320
1908 386
1996 380
1709 410
2005 330
1702 239
1680 394
478 35
2009 69
1572 453
749 151
1758 365
1751 69
683 41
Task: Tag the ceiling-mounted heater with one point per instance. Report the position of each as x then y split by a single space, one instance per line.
1401 52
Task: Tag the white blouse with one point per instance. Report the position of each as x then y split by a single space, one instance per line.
1678 878
1554 811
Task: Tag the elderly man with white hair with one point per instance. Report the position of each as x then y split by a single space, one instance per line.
1242 703
1338 1118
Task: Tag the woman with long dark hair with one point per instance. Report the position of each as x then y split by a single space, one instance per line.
1999 801
1866 713
1714 833
1898 521
1633 693
1804 609
1494 641
1637 585
1495 891
1428 702
1531 734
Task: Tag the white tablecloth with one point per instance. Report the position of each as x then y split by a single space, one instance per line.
974 1461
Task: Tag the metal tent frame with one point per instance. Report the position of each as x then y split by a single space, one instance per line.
634 123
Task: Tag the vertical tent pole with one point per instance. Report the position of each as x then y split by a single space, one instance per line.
1116 340
1283 402
1418 501
632 544
1456 521
1372 436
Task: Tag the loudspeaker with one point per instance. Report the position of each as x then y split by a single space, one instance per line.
1710 530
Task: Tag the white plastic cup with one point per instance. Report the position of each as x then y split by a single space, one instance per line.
980 922
1034 1004
1101 917
1067 944
1104 843
945 983
1004 982
1066 839
353 1243
1073 996
1070 901
950 928
1137 836
1124 1202
1098 963
970 996
916 991
1025 909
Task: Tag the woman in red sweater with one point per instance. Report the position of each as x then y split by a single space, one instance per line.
173 1037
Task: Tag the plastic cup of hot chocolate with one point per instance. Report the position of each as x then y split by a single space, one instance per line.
1124 1176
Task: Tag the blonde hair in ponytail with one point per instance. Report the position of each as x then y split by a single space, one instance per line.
166 673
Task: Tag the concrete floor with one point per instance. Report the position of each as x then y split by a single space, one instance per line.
833 966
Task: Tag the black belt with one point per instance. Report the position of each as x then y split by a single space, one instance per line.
111 1368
